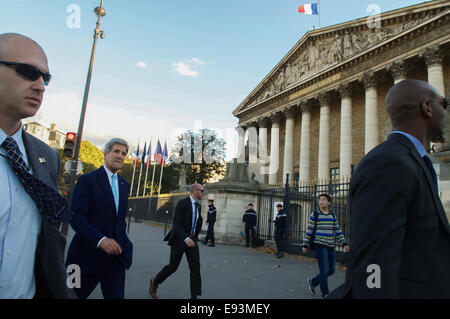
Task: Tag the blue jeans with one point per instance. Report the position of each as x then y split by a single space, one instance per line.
327 266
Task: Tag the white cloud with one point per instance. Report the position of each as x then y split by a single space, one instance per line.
142 64
184 69
197 61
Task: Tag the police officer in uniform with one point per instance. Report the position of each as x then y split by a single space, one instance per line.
211 220
249 220
280 229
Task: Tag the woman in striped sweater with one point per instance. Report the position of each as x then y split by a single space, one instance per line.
322 233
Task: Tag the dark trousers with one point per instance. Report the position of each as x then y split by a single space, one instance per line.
210 233
112 282
193 259
327 266
279 240
250 230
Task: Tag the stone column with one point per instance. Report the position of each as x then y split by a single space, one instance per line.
289 145
371 119
253 164
240 155
263 158
433 58
274 149
398 70
323 173
305 143
346 151
252 133
262 141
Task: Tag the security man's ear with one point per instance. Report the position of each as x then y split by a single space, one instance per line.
425 107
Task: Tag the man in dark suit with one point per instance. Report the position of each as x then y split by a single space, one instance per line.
399 231
183 239
100 246
31 210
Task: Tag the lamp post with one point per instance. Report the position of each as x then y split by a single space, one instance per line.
99 12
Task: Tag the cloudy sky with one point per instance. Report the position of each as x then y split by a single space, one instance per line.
165 65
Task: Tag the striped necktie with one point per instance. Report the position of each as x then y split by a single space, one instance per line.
49 203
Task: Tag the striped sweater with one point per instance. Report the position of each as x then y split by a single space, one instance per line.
327 231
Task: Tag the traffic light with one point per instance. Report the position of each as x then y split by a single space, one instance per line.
69 145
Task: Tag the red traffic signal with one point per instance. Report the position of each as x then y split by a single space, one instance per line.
69 145
71 136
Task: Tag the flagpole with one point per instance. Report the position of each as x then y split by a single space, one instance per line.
163 160
146 171
160 178
134 171
139 182
153 179
151 189
318 9
132 179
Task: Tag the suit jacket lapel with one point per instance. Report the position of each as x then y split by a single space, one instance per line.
123 196
437 201
40 170
434 190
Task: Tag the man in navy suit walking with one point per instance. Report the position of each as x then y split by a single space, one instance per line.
100 246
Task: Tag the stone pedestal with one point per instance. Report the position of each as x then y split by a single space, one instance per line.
231 200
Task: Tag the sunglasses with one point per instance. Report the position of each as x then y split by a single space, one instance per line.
445 102
28 71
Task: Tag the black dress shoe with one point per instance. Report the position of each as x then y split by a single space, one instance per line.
212 245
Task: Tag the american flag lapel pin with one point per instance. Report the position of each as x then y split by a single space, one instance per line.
42 160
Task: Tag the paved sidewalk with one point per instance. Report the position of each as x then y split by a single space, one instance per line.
228 272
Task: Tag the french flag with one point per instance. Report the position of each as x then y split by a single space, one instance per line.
310 8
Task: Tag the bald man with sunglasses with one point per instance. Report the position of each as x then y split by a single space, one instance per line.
31 246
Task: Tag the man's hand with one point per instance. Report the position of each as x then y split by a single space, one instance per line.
305 250
190 243
110 246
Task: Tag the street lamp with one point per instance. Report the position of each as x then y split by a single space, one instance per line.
99 12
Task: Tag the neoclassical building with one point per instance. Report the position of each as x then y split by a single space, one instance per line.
322 108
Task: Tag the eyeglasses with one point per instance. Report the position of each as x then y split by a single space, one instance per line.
28 71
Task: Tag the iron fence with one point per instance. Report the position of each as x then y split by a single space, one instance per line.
156 208
303 201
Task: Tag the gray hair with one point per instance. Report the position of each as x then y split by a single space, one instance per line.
114 141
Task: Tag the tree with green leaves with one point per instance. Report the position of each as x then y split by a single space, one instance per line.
202 154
